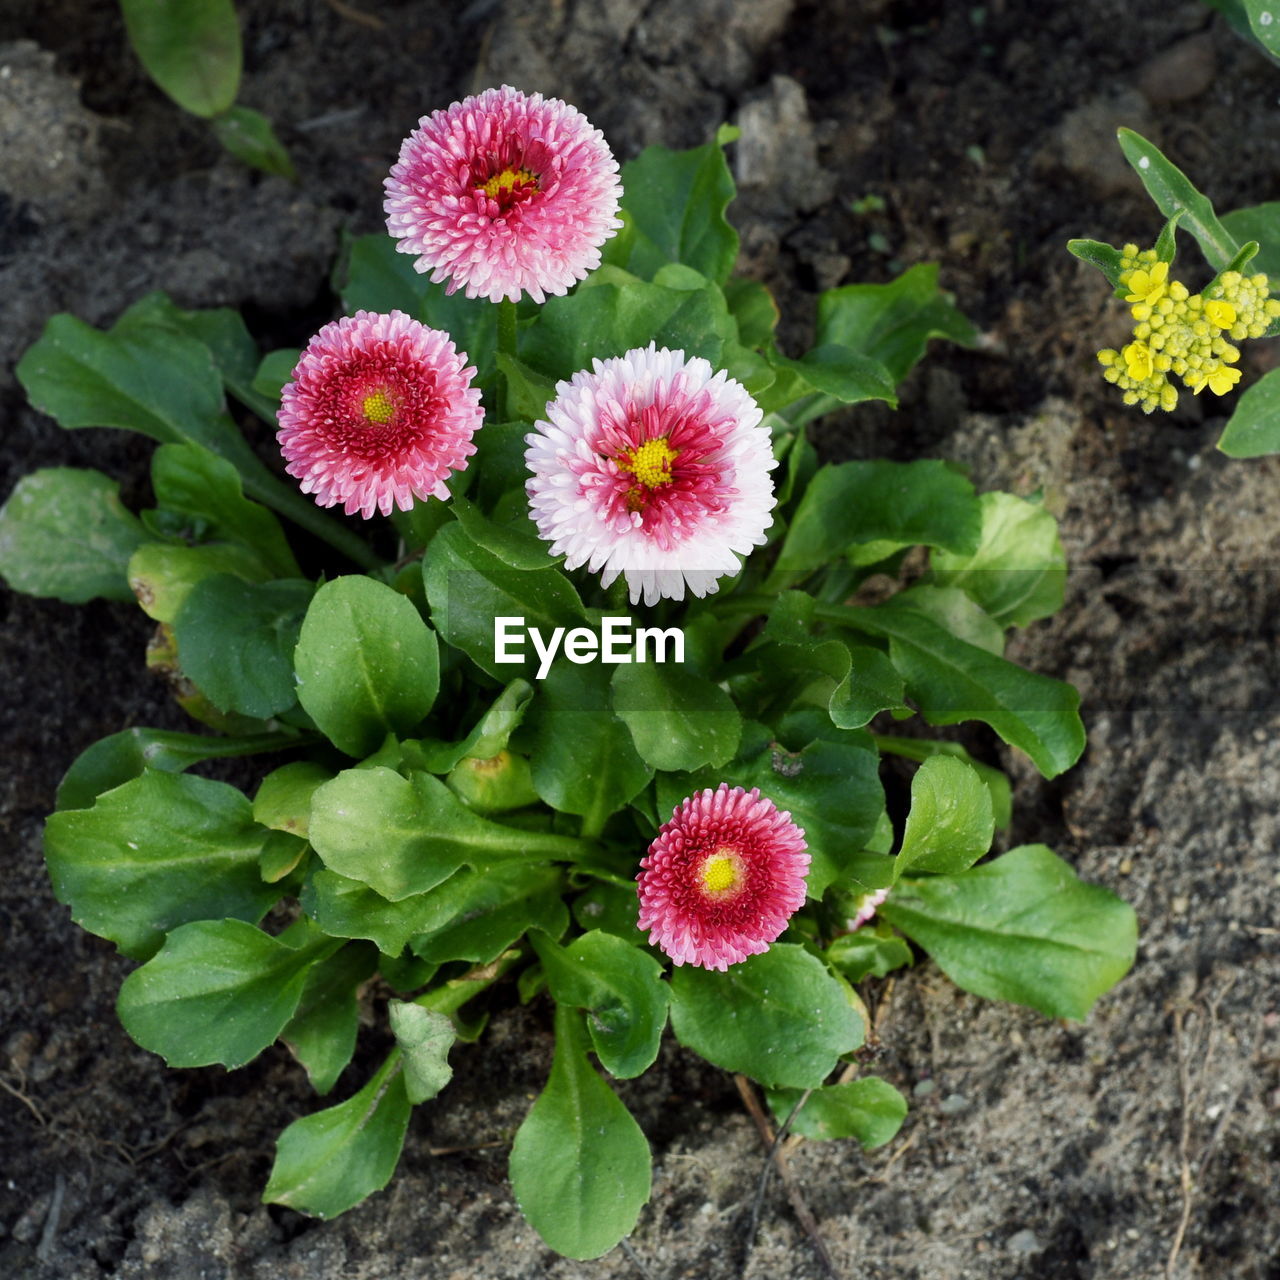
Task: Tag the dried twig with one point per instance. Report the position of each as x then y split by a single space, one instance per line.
370 20
25 1100
776 1156
635 1259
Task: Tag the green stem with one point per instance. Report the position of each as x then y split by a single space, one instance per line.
506 347
450 997
294 505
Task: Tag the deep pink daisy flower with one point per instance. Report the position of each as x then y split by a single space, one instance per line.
654 466
502 194
722 879
380 411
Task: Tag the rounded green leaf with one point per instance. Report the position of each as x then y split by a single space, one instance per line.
217 991
869 1109
155 853
1019 570
367 664
621 986
190 48
1022 928
583 758
779 1017
236 640
283 801
1254 428
64 533
678 720
248 135
403 836
331 1160
951 822
322 1033
580 1167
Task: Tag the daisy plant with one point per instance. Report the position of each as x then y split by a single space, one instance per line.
625 711
1192 338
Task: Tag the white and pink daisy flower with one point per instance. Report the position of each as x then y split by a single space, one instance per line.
722 879
654 466
502 194
380 411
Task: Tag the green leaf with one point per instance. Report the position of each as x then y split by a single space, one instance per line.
1264 24
892 323
956 613
608 320
477 915
331 1160
249 136
1254 428
610 907
236 639
1098 254
620 986
402 836
1019 571
379 278
64 533
580 1167
190 48
1260 222
122 756
952 681
163 574
283 801
345 908
216 991
874 949
997 783
221 329
489 736
675 202
754 309
520 548
887 505
678 720
155 853
469 588
367 664
281 854
1173 192
424 1037
322 1033
778 1017
192 482
1021 928
950 825
274 371
836 371
869 1109
582 755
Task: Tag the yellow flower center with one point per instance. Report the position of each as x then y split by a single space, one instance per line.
650 463
1220 313
721 872
378 407
508 180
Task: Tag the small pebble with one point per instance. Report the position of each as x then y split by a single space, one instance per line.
1024 1242
924 1088
953 1103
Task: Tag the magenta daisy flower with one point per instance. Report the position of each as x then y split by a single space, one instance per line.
380 411
654 466
722 879
502 194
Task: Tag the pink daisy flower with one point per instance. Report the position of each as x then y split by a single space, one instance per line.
502 194
654 466
865 908
380 411
722 879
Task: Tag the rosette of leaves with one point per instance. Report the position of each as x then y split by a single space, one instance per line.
439 822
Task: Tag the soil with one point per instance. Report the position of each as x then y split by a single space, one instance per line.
1141 1143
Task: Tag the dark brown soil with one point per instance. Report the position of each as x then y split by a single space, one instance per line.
1034 1149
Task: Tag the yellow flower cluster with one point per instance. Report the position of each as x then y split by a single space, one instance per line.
1182 333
